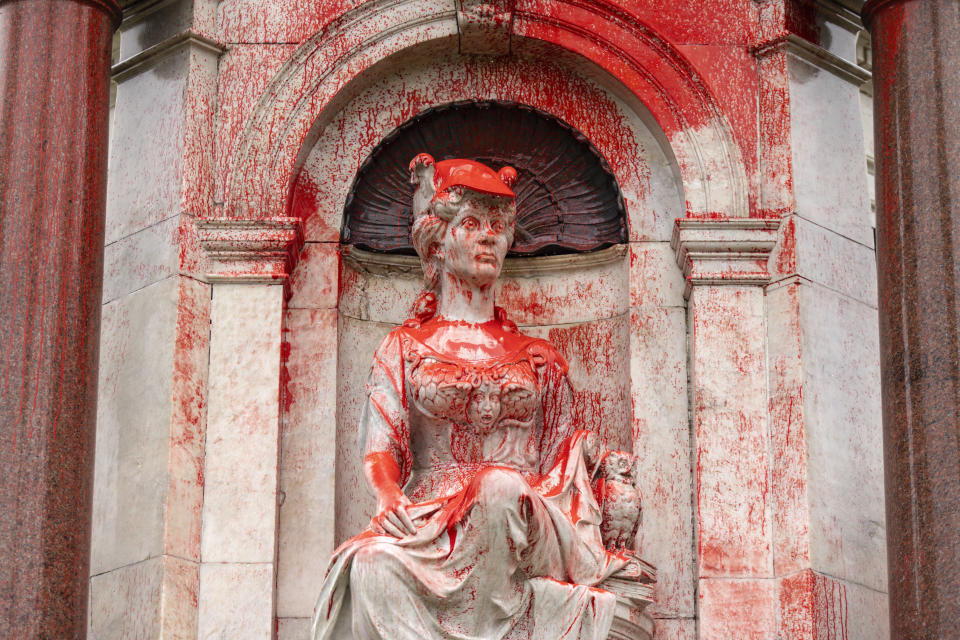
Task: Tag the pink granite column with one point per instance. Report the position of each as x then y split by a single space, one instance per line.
916 50
54 78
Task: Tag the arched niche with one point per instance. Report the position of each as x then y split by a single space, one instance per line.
617 314
567 198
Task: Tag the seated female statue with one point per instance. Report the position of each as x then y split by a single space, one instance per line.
486 524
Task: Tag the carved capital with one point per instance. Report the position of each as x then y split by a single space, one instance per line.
249 250
485 26
726 251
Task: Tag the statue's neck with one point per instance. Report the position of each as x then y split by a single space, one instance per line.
460 300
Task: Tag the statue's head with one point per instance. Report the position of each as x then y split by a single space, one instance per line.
464 214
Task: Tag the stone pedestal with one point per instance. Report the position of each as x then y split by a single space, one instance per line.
917 85
54 64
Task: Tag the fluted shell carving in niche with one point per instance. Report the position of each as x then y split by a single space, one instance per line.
567 198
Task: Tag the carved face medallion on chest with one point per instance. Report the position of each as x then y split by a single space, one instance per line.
483 410
484 396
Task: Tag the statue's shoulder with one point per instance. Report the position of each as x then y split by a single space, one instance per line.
545 354
392 344
542 352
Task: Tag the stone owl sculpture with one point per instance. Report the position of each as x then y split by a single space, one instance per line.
619 500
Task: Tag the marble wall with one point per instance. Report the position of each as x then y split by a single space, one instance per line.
743 371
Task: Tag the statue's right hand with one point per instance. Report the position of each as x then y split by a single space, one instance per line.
393 519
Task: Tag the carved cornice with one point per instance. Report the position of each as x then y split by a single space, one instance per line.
845 13
727 251
135 64
815 55
389 264
245 250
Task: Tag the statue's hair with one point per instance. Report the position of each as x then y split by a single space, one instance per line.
427 233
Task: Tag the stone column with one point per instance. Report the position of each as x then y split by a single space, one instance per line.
916 52
725 265
250 261
54 78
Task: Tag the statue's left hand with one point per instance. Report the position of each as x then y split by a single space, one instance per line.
393 519
383 473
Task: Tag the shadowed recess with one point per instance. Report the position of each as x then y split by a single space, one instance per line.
567 197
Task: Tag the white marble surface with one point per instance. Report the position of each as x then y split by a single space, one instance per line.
820 606
829 179
675 629
146 164
357 340
125 602
133 426
866 612
379 298
241 467
738 609
827 258
307 459
790 503
729 394
655 278
842 409
236 601
836 262
140 259
661 440
293 628
576 294
598 354
314 281
187 432
155 598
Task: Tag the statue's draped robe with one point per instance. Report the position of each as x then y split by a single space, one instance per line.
508 543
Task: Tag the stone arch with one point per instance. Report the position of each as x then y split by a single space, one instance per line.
319 76
433 75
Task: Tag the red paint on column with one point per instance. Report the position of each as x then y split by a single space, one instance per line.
917 85
54 77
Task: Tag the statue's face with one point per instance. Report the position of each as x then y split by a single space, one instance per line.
477 239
